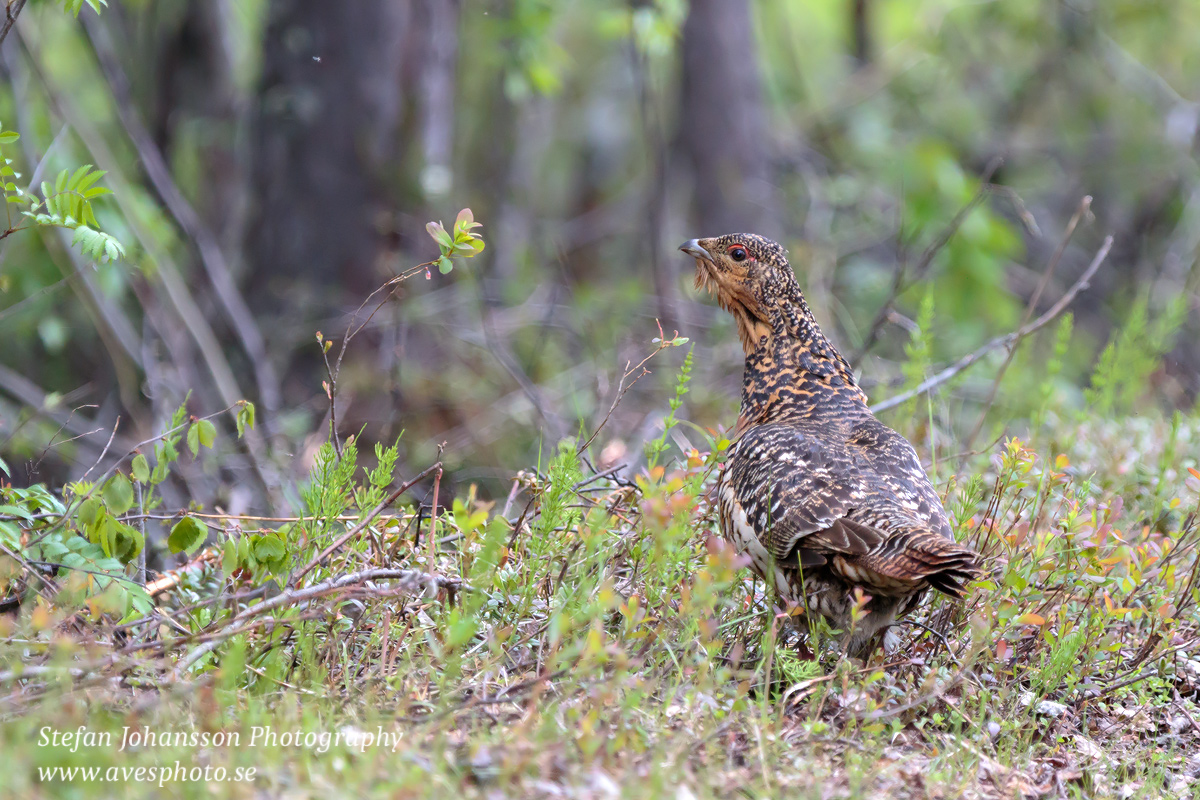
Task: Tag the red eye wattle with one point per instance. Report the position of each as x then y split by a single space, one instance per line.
737 252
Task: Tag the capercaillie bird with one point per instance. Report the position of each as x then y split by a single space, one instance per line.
821 495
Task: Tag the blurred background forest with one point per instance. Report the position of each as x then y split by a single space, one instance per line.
274 161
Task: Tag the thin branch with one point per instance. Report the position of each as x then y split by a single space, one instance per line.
10 17
104 450
1001 341
433 509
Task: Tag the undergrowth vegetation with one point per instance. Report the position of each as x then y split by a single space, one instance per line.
590 634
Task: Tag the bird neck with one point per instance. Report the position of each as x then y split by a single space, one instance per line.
795 371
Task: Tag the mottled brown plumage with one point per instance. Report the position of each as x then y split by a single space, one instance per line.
822 496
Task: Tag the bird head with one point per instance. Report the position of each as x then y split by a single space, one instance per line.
750 277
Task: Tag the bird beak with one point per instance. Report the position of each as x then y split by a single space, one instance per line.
692 248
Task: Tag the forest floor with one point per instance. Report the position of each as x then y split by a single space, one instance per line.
591 638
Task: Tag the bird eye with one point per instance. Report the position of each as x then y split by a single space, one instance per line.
737 252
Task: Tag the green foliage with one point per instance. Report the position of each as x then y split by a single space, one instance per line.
65 204
329 491
92 553
537 61
118 494
98 518
202 433
187 535
562 475
461 243
166 449
250 552
245 417
96 532
642 628
1060 661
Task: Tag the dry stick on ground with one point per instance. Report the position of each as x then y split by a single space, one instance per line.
898 282
1084 207
371 515
1001 341
412 578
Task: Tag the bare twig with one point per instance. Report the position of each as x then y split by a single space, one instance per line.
104 450
1006 340
32 395
331 389
335 369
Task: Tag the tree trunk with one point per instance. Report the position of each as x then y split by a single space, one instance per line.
325 140
723 123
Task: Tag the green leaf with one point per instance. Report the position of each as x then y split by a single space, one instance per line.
269 548
118 494
444 265
443 239
129 541
10 534
193 439
244 556
107 533
208 433
16 511
140 469
229 557
245 416
187 536
88 512
53 548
